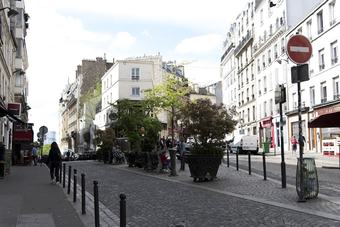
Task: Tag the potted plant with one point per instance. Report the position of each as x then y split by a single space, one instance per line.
136 122
105 143
208 124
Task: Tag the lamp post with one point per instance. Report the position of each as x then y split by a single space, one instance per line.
280 97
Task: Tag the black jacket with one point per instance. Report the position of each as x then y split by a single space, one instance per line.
54 156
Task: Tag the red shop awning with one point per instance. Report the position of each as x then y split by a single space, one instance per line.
330 120
266 122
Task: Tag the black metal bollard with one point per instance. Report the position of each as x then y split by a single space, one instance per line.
83 210
74 185
69 180
96 204
227 157
122 210
264 166
64 173
249 162
237 159
60 173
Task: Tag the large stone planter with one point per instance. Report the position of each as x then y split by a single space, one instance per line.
131 158
203 167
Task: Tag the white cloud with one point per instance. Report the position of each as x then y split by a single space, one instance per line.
147 34
193 13
203 72
57 41
123 40
199 44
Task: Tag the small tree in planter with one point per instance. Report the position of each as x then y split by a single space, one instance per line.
105 143
135 121
208 123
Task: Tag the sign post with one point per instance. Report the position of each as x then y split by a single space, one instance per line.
41 136
280 97
299 50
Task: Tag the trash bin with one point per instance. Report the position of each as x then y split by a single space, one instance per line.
266 147
310 179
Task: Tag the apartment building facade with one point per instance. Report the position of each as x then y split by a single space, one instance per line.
126 79
13 81
76 111
259 54
320 94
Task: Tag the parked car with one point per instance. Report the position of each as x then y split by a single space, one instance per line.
73 156
244 143
87 155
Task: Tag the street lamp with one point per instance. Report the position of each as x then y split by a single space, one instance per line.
280 98
11 12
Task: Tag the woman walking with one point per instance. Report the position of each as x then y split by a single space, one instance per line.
54 162
294 144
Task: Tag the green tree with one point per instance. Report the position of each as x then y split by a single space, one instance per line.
169 96
135 121
208 123
104 139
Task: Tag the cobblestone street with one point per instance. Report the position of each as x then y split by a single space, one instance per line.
159 200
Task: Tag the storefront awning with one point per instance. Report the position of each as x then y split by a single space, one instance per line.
330 120
9 115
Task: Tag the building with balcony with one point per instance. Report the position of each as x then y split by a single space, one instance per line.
126 79
13 81
272 21
237 70
320 94
78 102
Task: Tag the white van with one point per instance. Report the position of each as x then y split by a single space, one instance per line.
244 143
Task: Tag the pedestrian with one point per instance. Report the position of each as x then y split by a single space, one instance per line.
54 162
182 146
168 143
34 154
162 143
165 161
294 144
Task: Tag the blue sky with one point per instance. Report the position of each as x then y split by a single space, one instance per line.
63 32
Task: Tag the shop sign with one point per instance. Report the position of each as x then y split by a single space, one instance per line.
14 108
327 110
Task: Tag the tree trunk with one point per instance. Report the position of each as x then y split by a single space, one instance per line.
172 151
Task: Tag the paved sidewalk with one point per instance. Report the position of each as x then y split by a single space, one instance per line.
252 187
29 199
291 158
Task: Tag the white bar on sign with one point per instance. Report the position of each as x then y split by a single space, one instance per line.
299 49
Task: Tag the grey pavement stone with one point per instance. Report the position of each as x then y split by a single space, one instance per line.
27 193
234 199
35 220
107 218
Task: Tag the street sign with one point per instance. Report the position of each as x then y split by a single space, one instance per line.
299 49
300 73
43 130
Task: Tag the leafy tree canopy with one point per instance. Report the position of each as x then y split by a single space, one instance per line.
136 122
169 94
208 123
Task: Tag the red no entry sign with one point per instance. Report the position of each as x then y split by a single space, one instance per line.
299 49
